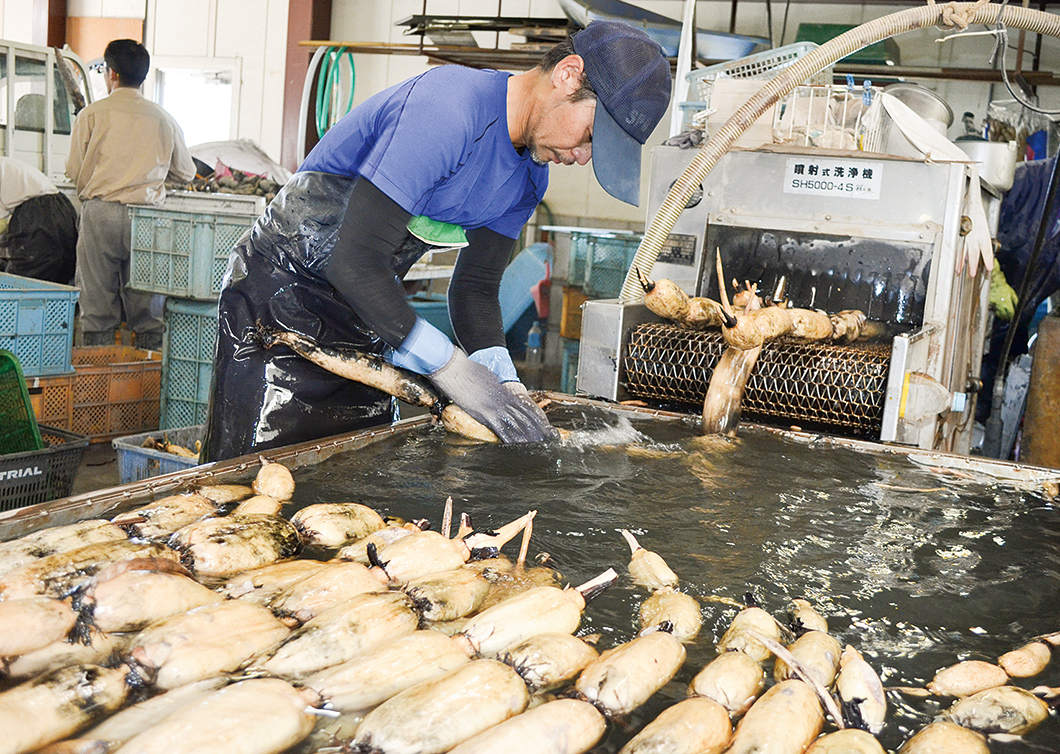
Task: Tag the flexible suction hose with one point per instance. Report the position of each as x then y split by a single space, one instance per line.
785 81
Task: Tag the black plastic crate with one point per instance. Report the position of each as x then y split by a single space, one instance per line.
37 476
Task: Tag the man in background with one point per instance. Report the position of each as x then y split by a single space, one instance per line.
38 225
122 150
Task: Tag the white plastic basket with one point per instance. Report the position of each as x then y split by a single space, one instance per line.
762 65
830 117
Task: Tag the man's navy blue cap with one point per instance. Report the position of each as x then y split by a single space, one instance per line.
631 78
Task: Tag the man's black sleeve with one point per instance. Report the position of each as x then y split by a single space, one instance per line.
474 309
361 264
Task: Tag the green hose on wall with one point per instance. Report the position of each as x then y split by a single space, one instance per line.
328 82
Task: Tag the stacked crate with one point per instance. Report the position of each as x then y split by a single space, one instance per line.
37 324
36 338
112 391
181 249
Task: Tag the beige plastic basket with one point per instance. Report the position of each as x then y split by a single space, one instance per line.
762 66
830 117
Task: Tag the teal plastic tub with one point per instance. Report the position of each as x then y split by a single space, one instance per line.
37 323
187 361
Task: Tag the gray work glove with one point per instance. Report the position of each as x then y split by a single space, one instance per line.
686 139
519 390
476 389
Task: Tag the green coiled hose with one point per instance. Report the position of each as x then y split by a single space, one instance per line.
328 80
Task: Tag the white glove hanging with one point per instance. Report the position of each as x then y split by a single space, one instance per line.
935 146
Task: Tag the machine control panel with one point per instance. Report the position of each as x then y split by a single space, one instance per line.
680 248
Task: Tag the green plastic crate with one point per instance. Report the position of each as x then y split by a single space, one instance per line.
187 361
18 424
37 323
181 249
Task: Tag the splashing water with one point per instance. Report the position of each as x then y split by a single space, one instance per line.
622 432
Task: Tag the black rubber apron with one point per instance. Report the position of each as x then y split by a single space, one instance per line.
270 398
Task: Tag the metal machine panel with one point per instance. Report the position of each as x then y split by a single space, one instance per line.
846 230
867 195
605 324
682 260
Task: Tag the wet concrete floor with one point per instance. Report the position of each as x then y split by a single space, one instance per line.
98 469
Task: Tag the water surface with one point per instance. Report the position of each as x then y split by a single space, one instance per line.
918 568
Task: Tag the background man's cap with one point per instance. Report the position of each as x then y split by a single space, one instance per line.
631 78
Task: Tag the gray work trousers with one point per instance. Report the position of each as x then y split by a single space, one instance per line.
103 246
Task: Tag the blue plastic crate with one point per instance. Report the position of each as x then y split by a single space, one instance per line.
599 260
579 250
37 323
182 248
187 361
606 263
136 462
759 66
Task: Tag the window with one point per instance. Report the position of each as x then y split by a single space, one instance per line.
201 101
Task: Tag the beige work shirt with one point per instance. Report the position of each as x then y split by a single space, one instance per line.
19 182
123 147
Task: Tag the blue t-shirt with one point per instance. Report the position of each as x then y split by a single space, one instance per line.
438 145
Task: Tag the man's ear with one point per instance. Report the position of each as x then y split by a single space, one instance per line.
567 75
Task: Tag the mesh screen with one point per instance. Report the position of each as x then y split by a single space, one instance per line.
183 236
55 352
177 414
8 316
818 386
56 401
179 276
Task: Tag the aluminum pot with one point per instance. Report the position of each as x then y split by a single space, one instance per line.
925 103
997 160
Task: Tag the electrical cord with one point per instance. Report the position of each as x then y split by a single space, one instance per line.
1001 46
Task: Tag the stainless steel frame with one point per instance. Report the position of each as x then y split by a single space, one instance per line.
913 203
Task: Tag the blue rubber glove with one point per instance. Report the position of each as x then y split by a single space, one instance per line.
426 349
477 390
497 360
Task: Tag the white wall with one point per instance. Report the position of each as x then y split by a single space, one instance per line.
248 37
573 191
16 21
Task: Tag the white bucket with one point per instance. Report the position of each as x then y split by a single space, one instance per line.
997 160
